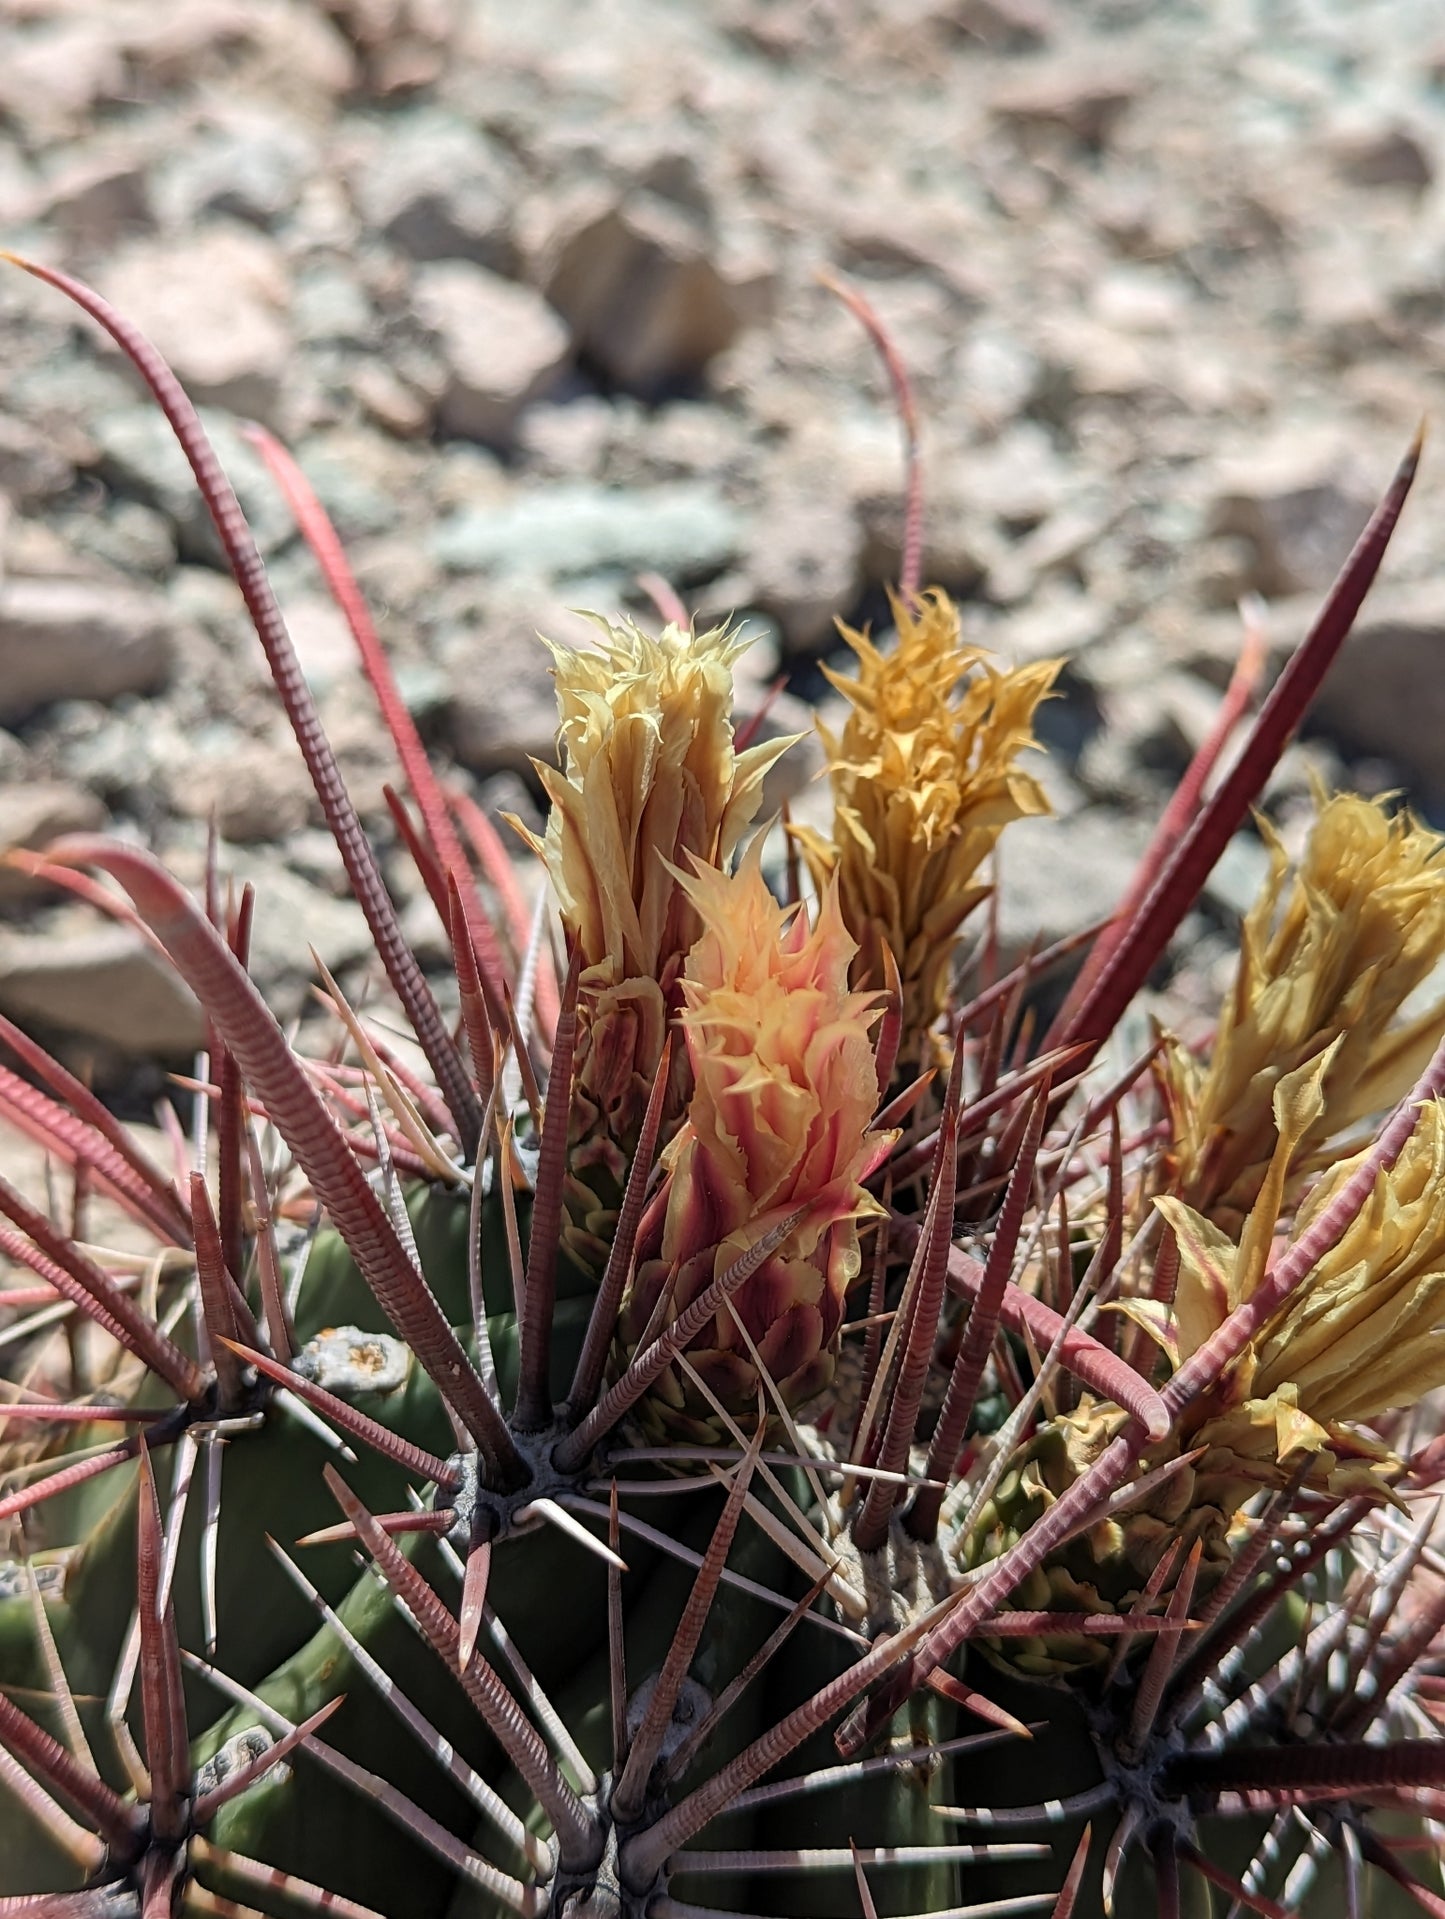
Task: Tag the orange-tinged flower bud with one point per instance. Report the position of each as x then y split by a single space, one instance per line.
784 1093
649 781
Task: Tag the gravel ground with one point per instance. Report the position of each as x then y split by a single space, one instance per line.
531 291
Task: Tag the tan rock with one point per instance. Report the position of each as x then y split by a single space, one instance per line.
79 639
504 347
216 309
31 815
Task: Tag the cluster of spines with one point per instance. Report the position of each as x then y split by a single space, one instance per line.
1010 1113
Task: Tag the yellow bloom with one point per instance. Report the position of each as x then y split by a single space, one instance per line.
649 779
1328 954
924 781
1364 1333
779 1120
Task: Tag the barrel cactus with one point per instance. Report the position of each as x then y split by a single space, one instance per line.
731 1420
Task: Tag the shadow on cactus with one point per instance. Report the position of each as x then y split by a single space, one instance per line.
776 1434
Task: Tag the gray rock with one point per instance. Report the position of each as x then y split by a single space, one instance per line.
255 792
1054 546
97 197
79 639
1153 726
1013 25
105 984
292 917
685 532
329 306
404 45
360 480
440 190
1071 95
647 291
1239 875
322 640
504 347
31 815
136 453
805 561
216 309
32 467
1384 697
1018 480
503 709
1060 874
251 165
282 48
1300 501
125 536
1383 154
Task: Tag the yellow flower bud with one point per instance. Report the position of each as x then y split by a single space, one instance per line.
924 780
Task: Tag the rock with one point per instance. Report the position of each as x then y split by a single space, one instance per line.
136 453
1059 619
997 374
1300 501
1239 875
286 50
174 44
216 309
439 190
250 165
34 813
322 640
1384 154
686 532
79 639
329 307
1069 95
1055 545
1010 25
1345 303
959 544
1153 724
255 792
359 481
805 560
1060 874
103 983
32 467
1384 697
54 75
292 916
503 345
395 406
125 537
98 197
503 708
31 1169
647 292
404 44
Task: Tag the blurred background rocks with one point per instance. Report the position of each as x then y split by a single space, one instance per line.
531 292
